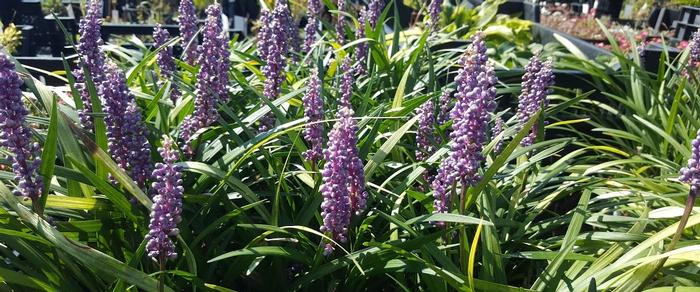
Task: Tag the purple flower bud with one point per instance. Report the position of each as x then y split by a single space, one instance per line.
445 106
165 59
126 132
340 21
274 38
375 10
362 49
475 96
167 204
426 138
435 8
691 173
426 131
91 56
495 131
345 88
312 25
343 187
188 29
212 79
313 111
16 136
537 79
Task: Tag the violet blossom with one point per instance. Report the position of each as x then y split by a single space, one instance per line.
16 136
212 79
165 60
126 131
340 21
691 173
495 131
167 204
343 187
313 111
312 24
91 57
362 49
188 30
435 8
537 79
274 37
475 96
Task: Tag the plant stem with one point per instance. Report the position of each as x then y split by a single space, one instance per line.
462 232
689 203
161 278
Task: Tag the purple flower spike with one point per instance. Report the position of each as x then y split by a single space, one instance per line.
167 204
265 35
362 49
374 11
274 38
212 79
435 9
126 132
691 173
495 131
426 131
91 56
165 60
445 106
340 21
312 24
313 111
475 96
188 29
537 79
343 187
16 136
346 82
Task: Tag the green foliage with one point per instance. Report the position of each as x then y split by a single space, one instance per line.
590 206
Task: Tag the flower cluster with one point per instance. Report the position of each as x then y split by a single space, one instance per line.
475 96
188 29
293 38
312 24
435 8
313 111
495 131
427 121
274 38
340 21
426 131
362 48
691 173
165 60
537 79
126 132
343 187
15 135
374 10
167 204
694 61
445 106
212 79
91 57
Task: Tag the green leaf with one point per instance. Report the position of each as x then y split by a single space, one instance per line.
48 156
257 251
87 255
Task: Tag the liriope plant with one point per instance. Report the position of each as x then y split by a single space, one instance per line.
338 190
